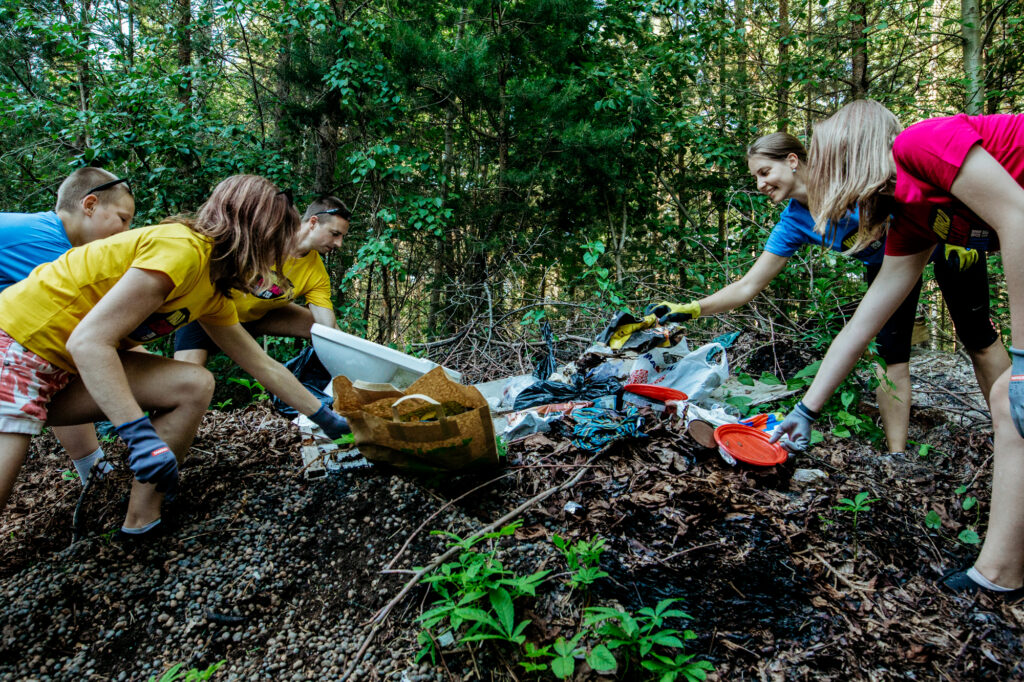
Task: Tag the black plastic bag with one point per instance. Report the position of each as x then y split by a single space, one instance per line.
582 387
547 364
311 373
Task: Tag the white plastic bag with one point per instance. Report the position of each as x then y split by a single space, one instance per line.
694 374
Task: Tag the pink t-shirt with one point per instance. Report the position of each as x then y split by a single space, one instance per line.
928 156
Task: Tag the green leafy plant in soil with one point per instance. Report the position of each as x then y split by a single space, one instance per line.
477 600
176 674
476 597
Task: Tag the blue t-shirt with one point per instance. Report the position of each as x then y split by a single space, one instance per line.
796 228
28 240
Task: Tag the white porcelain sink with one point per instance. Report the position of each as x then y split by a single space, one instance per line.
362 360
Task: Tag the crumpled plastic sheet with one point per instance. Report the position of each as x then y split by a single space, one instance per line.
595 427
581 387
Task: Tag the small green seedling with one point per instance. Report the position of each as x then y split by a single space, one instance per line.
256 390
969 536
69 475
176 674
933 520
861 502
582 558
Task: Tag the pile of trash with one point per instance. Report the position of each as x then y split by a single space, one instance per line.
598 395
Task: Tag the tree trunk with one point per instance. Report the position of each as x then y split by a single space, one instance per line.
782 89
326 153
184 8
859 47
974 81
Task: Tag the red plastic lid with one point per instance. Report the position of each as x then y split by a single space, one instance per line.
662 393
749 445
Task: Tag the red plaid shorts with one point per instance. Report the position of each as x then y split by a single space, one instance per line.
27 383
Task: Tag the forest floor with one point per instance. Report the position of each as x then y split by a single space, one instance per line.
280 576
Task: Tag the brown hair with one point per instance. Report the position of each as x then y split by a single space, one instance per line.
777 146
77 185
251 225
328 203
851 165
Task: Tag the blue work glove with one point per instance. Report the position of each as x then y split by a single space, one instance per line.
796 425
1017 388
149 458
333 424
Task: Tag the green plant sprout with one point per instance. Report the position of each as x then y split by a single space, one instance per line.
638 636
256 390
582 558
176 674
476 596
859 503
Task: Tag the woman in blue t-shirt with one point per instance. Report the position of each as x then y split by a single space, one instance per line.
779 164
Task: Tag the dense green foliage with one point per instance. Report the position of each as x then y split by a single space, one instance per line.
497 153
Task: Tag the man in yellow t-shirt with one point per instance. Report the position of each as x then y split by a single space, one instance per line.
324 226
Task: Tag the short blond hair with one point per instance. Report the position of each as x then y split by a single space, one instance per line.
77 185
850 165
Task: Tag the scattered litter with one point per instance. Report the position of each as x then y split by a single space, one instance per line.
595 426
546 364
582 387
805 477
693 374
572 508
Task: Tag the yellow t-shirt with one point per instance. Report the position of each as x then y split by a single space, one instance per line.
308 277
42 310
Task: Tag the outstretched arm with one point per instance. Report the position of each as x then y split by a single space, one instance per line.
743 290
238 345
895 280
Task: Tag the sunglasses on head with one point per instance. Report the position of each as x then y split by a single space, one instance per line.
340 212
287 195
108 185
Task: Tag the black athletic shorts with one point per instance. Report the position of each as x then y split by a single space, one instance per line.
193 337
966 296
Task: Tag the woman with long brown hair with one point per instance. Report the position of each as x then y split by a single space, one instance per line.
957 180
65 328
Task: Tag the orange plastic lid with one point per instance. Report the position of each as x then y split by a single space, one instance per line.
662 393
749 445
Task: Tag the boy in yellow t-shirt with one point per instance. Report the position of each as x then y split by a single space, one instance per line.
324 226
64 328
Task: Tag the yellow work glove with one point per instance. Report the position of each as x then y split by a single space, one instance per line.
960 257
622 334
673 312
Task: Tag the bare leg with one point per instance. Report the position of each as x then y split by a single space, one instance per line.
197 356
1002 556
989 364
180 393
894 403
79 440
13 448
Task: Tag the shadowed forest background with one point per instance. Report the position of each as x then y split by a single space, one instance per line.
499 156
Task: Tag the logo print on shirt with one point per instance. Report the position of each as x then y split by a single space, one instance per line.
159 324
275 291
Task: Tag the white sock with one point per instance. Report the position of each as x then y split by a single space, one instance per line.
86 464
977 577
143 529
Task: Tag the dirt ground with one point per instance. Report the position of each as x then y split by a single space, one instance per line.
280 576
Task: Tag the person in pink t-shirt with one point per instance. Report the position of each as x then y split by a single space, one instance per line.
956 180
